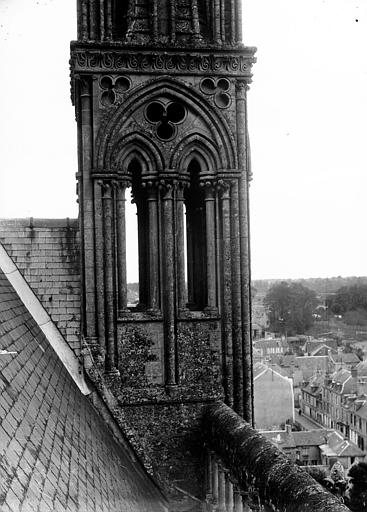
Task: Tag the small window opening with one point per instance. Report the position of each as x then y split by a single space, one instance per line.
195 241
136 240
120 10
132 251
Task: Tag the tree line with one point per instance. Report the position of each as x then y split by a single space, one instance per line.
291 306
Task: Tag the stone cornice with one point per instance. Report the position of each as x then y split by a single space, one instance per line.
236 62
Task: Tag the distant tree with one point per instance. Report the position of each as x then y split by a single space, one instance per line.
356 495
348 298
290 307
356 317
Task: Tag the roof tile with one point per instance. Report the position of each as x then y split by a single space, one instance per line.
56 452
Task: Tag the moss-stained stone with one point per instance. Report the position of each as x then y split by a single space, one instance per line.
170 436
136 351
164 423
257 464
198 352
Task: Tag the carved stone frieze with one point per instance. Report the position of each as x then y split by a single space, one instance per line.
122 60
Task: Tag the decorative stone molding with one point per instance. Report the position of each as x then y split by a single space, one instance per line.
217 88
123 60
112 89
165 117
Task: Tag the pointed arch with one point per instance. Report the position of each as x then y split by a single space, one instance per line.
139 145
200 145
215 123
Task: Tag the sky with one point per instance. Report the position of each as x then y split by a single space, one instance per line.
307 120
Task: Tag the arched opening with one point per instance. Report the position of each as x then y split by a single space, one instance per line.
120 19
142 241
195 240
137 238
132 252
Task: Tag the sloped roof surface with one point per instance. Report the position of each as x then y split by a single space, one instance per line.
322 350
362 368
271 343
56 453
312 437
348 358
331 442
312 362
315 384
340 381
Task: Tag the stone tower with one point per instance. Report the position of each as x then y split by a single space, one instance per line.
159 88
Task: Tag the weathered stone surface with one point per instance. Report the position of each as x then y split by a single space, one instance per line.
159 89
257 464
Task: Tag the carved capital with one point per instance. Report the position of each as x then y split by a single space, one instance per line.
209 187
224 187
84 85
180 189
241 87
170 185
151 187
106 187
167 188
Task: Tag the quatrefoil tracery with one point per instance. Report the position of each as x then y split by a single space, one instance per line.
165 117
112 88
218 88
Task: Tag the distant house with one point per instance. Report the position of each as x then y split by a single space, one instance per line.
344 360
312 397
273 398
308 365
323 350
257 331
271 347
316 447
311 345
296 344
339 401
334 389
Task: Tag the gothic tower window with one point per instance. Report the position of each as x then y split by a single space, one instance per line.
120 18
196 237
139 196
164 18
145 199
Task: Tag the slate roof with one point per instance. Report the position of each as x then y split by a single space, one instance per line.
361 368
258 369
347 358
271 343
357 404
323 350
340 381
315 384
56 452
330 442
312 362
